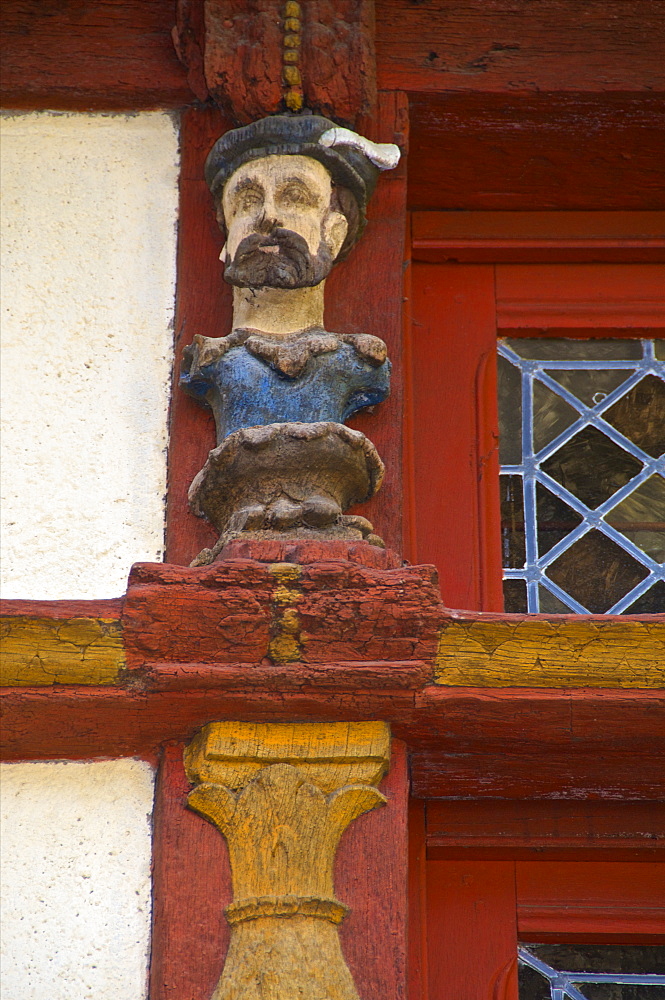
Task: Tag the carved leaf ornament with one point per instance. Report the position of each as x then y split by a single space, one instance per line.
282 814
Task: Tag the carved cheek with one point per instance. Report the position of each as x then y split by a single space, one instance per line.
334 230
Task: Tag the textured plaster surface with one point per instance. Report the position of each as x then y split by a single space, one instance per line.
88 262
76 852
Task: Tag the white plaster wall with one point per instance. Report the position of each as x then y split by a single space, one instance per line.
88 273
76 855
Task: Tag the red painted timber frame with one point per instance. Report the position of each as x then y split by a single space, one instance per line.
530 872
481 118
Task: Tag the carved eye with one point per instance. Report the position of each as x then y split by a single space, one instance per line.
296 194
249 199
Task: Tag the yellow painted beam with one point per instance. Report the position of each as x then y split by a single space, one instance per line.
538 653
44 651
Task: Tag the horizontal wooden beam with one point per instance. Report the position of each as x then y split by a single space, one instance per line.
538 237
91 55
358 627
559 652
510 46
463 742
536 152
505 829
119 54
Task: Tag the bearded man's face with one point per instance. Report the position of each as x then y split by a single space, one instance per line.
281 229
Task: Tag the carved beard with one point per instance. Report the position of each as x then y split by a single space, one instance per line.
291 266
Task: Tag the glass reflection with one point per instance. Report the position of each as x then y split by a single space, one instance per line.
596 572
641 517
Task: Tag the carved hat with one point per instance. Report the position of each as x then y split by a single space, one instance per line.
353 161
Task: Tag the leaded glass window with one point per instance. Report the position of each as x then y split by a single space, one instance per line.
591 972
582 452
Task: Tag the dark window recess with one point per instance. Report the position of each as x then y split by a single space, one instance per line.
645 962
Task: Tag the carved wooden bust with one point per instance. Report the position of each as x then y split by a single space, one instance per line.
291 194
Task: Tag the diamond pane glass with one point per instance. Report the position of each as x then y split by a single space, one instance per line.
514 596
591 467
650 603
640 415
641 517
591 387
596 572
545 968
551 415
582 432
512 521
542 349
554 519
550 604
510 413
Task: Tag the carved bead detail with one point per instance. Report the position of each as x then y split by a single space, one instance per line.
285 906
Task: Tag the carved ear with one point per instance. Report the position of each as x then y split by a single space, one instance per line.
335 228
215 803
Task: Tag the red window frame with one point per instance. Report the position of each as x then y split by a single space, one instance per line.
487 875
458 309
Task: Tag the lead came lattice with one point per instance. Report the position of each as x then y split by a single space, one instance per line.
591 462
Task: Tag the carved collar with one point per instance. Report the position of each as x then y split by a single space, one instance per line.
288 356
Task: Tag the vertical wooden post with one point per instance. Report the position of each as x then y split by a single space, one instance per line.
192 885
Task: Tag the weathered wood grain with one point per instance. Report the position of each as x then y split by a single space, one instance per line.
119 53
282 796
467 742
233 612
204 306
565 653
364 294
192 873
91 55
241 624
509 46
37 651
536 152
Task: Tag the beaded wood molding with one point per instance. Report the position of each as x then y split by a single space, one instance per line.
282 796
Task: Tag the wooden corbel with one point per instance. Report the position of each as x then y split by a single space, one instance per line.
260 57
282 795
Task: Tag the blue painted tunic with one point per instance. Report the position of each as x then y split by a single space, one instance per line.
244 390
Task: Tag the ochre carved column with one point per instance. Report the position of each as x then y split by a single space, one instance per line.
282 795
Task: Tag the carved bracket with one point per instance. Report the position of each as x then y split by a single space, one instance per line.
282 795
258 57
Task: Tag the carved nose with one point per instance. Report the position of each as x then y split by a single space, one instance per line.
269 219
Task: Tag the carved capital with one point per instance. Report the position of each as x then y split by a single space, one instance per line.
282 795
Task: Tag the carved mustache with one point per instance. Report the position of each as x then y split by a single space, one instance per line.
288 263
290 244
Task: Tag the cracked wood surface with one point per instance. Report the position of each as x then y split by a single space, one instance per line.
120 54
37 651
336 625
553 653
